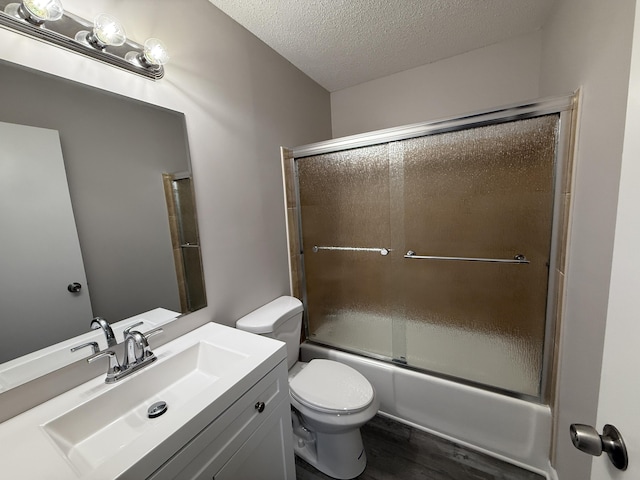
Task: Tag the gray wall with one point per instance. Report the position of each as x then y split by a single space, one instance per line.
489 77
115 151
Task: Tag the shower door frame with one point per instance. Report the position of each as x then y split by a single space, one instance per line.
566 107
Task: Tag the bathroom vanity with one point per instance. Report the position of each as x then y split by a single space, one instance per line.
227 417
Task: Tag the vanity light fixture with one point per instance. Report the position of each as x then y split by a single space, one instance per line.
104 39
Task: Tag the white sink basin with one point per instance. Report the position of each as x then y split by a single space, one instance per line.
102 431
96 430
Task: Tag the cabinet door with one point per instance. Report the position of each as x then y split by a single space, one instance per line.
267 454
216 444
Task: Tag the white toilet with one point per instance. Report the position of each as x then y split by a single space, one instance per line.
330 400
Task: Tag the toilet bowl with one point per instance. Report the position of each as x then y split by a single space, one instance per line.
330 400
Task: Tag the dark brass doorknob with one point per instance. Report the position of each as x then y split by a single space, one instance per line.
587 439
74 287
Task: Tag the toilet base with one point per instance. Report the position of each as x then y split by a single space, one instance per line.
339 455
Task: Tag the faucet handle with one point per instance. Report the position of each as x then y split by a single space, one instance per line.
150 333
114 365
94 346
127 330
153 332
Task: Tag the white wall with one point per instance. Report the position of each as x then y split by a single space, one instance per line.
242 101
587 44
497 75
619 399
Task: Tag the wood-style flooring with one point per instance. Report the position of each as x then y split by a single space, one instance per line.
398 452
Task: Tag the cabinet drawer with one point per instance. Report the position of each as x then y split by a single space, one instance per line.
217 443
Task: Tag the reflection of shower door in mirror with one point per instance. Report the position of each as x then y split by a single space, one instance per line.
476 199
185 238
40 243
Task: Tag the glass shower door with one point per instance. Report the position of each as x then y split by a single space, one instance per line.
478 203
344 208
433 252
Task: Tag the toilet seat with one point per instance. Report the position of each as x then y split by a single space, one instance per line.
331 387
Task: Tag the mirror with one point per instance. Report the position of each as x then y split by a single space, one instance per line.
128 180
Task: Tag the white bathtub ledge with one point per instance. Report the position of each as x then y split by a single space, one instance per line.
510 429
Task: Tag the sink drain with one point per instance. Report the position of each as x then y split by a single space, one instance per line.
157 409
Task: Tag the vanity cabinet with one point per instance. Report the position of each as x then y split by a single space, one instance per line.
252 439
228 416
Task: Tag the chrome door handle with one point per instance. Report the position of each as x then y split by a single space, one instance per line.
382 251
518 258
587 439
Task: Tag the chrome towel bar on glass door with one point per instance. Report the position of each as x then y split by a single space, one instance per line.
519 258
381 251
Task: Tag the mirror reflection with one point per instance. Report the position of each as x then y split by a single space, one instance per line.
97 209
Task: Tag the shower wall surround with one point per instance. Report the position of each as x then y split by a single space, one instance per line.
435 251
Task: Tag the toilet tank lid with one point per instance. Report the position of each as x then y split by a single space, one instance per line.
270 316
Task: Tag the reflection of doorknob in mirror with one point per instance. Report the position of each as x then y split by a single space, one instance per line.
587 439
74 287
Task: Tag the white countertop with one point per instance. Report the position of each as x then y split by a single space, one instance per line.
28 450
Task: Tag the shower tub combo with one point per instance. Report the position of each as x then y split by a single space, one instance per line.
430 258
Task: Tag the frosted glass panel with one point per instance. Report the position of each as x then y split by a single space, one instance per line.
482 192
344 202
485 192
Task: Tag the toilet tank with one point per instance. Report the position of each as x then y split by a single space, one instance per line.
280 319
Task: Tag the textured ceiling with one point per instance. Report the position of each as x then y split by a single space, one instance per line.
341 43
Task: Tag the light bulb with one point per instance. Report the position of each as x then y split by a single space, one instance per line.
107 30
43 10
36 11
155 53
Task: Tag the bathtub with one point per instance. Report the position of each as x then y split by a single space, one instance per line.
510 429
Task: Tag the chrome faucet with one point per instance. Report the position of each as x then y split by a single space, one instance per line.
137 354
100 322
136 347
